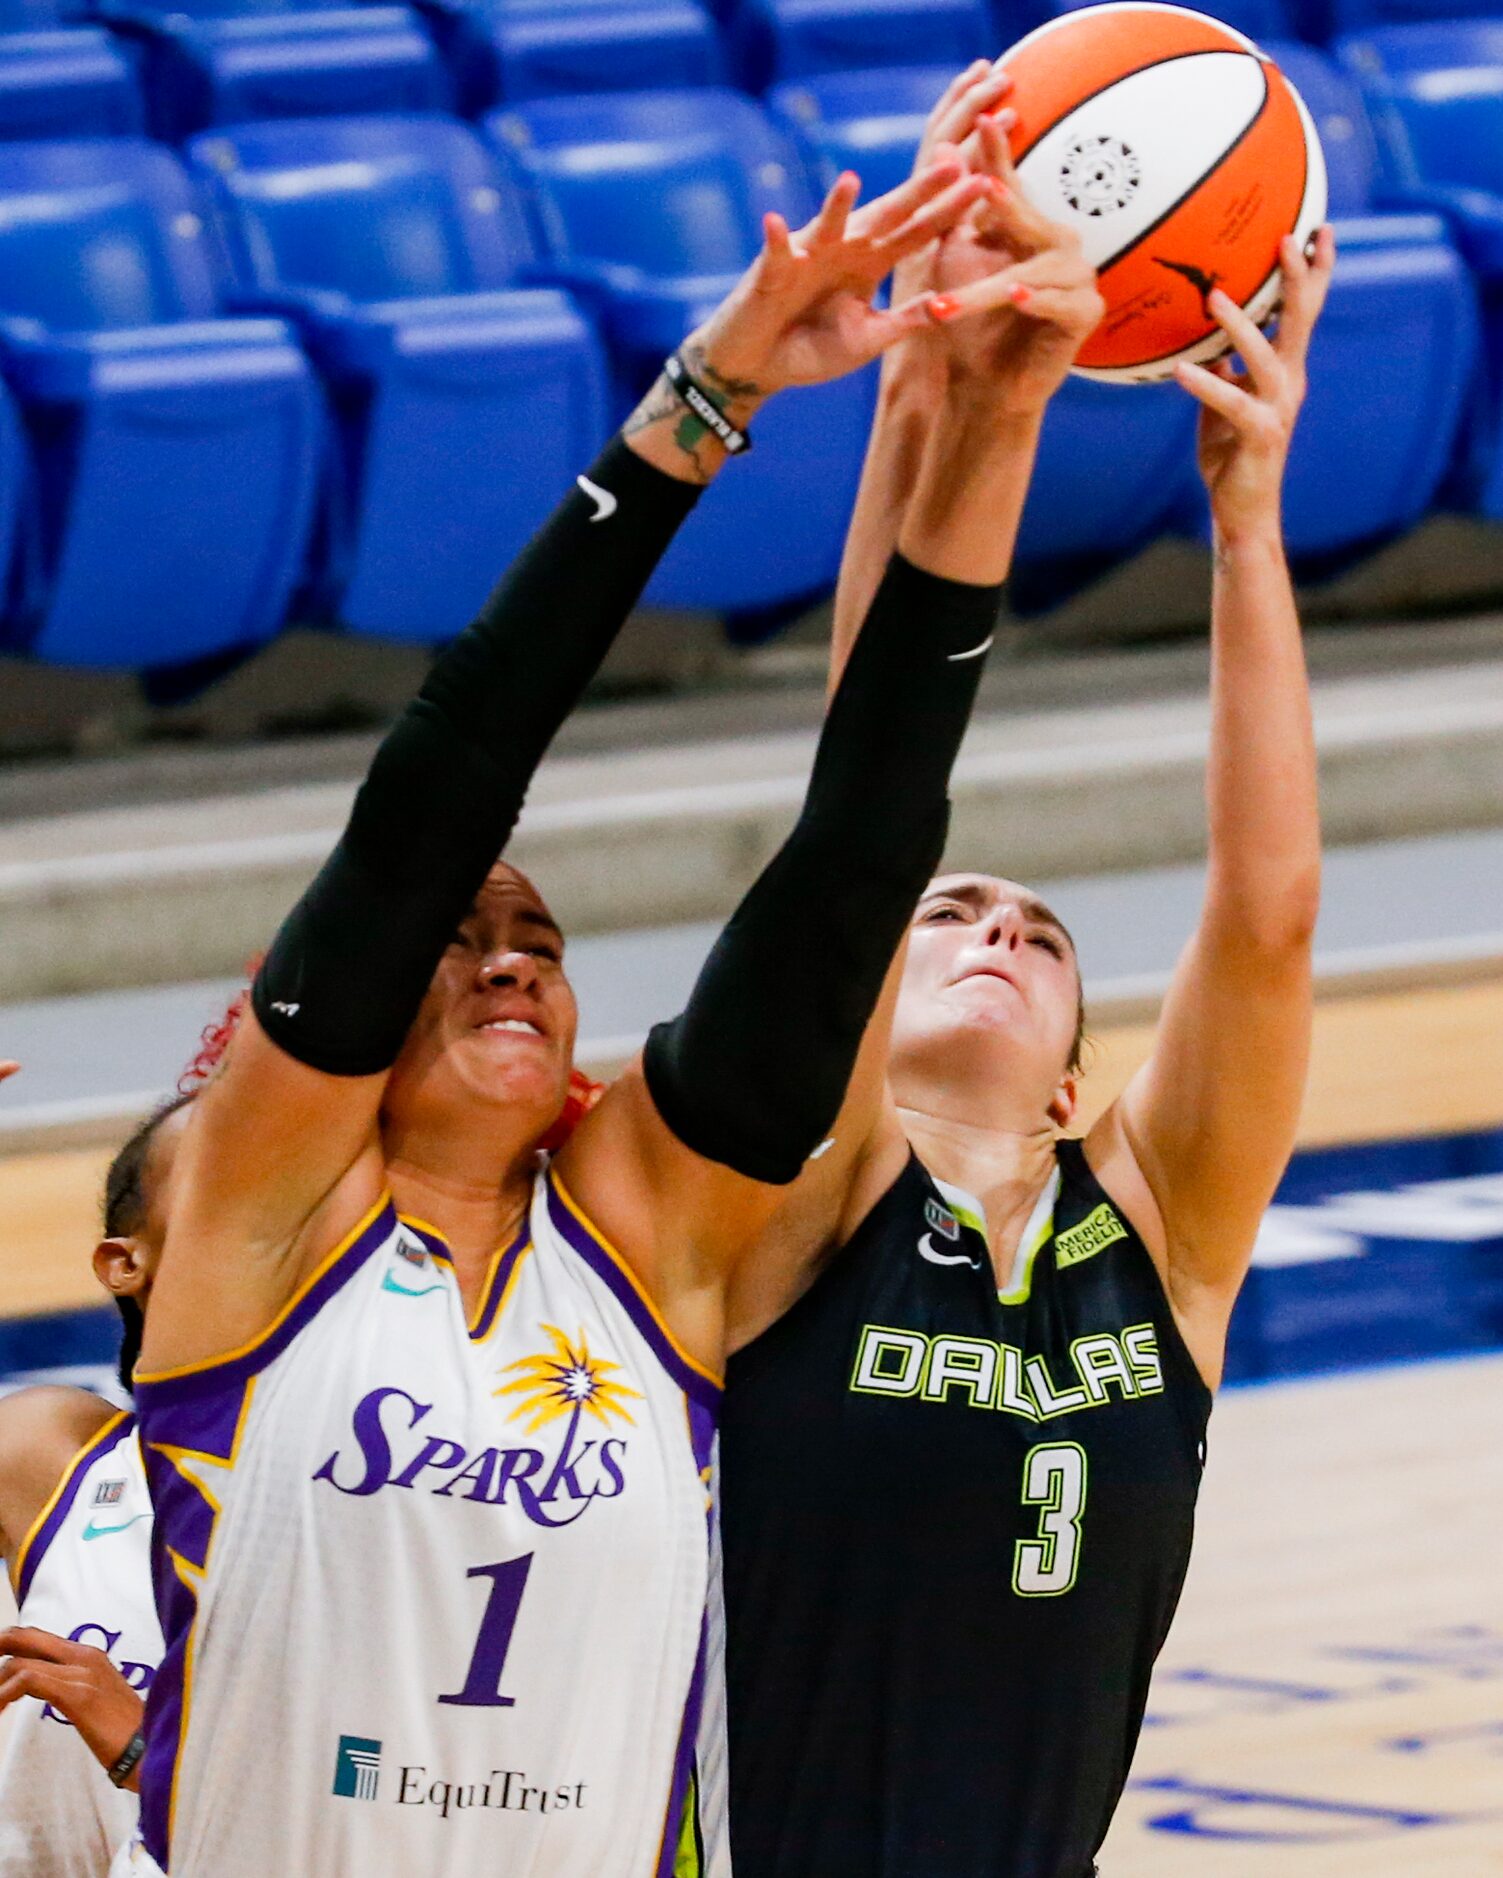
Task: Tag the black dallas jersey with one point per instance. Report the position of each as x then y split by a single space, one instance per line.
954 1529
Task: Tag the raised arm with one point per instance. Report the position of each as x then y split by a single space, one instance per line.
1204 1130
1029 273
283 1144
736 1096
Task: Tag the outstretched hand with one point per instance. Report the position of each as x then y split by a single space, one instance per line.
1002 259
81 1683
803 313
8 1067
1247 418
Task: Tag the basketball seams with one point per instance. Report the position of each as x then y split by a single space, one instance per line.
1105 167
1179 202
1197 346
1121 78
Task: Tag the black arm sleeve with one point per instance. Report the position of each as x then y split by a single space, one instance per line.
754 1071
345 976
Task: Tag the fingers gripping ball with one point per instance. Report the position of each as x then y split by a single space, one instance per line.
1181 156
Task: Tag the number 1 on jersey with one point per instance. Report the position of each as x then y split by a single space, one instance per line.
482 1683
1054 1478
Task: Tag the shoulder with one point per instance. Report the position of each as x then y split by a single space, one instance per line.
41 1432
1106 1152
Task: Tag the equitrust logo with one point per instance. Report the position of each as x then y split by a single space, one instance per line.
357 1768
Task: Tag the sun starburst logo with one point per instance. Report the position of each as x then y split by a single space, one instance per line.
567 1381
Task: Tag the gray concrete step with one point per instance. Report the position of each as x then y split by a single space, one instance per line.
1393 912
166 891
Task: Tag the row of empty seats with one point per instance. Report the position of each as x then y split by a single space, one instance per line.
114 67
336 368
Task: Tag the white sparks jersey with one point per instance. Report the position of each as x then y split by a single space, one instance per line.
83 1572
433 1590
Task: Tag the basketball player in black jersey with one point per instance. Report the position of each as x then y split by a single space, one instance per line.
963 1435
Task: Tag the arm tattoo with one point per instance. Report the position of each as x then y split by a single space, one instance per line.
662 405
725 390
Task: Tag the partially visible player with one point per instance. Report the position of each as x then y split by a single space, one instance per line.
965 1425
75 1531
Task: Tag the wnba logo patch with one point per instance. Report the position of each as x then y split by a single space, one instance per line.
357 1768
941 1219
109 1493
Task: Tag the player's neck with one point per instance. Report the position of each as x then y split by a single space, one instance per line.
471 1202
1005 1167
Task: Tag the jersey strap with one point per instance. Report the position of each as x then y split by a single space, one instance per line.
193 1419
500 1275
215 1374
48 1523
697 1382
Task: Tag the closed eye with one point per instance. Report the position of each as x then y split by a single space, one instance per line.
932 916
1050 944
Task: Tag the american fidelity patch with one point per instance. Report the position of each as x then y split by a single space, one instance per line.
1096 1230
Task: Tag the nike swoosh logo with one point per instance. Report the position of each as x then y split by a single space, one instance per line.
91 1531
927 1251
605 502
389 1283
959 658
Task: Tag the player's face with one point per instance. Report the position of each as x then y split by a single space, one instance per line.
498 1024
988 964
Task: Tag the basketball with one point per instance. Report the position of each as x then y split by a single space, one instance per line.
1181 155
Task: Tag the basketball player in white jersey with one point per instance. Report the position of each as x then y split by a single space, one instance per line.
75 1528
427 1422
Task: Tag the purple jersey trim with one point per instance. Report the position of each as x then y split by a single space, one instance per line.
153 1392
683 1764
201 1410
34 1546
503 1264
500 1277
606 1263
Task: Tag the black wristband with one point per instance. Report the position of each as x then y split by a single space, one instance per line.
126 1765
704 406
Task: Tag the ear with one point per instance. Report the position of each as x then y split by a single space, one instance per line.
120 1266
1063 1102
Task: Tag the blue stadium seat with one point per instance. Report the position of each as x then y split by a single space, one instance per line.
651 204
516 50
13 476
1401 322
775 41
1436 103
175 451
35 16
211 62
69 81
1258 19
1351 16
465 404
867 121
1113 465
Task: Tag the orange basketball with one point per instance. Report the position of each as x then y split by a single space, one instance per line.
1181 155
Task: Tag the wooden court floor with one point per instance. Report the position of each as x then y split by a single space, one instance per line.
1330 1701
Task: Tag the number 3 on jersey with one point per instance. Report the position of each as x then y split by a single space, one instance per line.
1054 1479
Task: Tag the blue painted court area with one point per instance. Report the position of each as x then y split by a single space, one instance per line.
1388 1252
